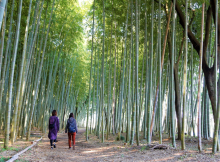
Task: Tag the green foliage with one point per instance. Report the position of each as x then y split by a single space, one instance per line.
143 148
183 157
3 159
3 149
12 149
21 160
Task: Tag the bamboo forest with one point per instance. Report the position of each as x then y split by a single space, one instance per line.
136 71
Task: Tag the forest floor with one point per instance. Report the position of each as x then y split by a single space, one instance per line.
110 150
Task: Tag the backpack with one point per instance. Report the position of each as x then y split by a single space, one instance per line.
51 126
72 129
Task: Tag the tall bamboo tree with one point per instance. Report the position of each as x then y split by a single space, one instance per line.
12 74
150 77
2 5
103 56
199 83
3 37
146 75
184 80
6 55
123 77
109 82
87 122
114 87
13 128
136 71
160 76
172 81
30 48
39 75
216 129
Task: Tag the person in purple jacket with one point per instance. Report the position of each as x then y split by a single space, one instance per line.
53 128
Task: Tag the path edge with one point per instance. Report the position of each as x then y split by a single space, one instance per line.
21 152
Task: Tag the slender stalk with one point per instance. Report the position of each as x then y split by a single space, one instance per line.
160 75
172 81
87 122
14 125
199 82
103 56
215 139
30 51
114 87
2 6
133 79
146 75
162 61
6 55
123 77
150 77
12 74
185 80
109 83
39 76
192 124
136 72
3 37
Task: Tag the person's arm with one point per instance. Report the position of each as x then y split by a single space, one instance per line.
49 124
58 124
76 129
66 127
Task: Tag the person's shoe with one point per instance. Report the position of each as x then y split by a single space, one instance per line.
69 147
54 146
51 148
73 147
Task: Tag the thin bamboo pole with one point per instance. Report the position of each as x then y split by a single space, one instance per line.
199 83
87 122
12 74
215 139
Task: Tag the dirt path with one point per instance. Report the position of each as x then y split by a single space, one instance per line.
42 151
112 150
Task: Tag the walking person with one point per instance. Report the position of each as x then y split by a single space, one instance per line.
53 129
72 130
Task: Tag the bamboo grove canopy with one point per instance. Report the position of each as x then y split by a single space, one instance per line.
131 65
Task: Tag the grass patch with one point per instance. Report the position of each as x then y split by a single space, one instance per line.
3 159
143 148
21 160
2 149
12 149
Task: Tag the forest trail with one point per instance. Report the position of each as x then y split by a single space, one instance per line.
111 150
42 151
84 151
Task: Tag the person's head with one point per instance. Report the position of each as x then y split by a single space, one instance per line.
71 115
54 113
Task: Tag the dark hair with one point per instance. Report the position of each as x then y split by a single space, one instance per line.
71 115
54 113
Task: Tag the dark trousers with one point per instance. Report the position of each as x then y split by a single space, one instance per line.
51 142
71 136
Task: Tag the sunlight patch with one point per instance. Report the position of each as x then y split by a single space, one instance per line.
90 151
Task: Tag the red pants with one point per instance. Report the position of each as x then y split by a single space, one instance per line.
71 136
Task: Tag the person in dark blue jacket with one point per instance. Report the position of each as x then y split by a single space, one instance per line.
72 130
